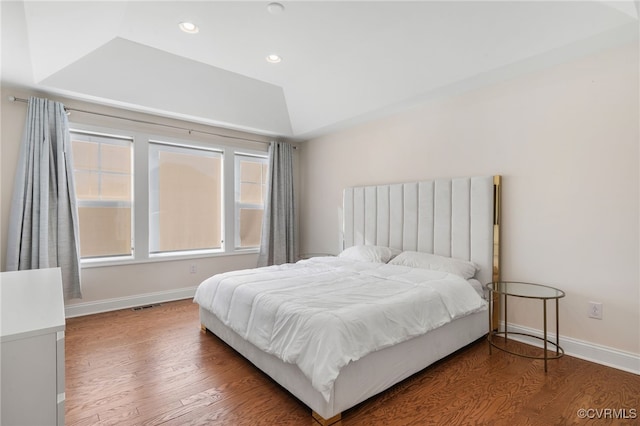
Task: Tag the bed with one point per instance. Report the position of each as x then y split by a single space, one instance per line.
452 223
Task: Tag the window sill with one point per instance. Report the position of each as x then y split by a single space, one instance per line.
88 264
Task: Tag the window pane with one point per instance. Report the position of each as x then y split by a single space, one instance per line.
250 227
250 171
85 154
103 178
251 193
186 199
115 158
105 231
87 185
115 187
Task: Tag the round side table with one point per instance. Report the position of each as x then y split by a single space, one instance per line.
506 289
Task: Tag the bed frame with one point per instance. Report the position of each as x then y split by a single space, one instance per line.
450 217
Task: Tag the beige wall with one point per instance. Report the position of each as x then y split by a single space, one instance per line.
102 284
565 140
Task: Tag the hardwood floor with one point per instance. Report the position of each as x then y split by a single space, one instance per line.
155 367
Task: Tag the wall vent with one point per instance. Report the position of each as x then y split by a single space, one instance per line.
142 308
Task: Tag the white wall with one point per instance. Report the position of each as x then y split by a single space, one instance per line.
566 141
123 285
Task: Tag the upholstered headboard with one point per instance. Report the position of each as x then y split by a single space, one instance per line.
448 217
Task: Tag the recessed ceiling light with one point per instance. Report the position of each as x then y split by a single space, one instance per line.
275 8
189 27
274 59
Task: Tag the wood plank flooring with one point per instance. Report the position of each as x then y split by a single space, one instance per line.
155 367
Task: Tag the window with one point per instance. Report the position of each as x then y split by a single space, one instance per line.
250 193
185 198
174 198
103 169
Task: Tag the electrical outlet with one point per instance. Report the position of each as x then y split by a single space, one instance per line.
193 268
595 310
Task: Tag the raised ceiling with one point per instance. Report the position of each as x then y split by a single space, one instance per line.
342 62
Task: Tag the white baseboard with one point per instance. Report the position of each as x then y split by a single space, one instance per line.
89 308
588 351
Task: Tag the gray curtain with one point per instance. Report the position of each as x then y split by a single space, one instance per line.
43 223
279 239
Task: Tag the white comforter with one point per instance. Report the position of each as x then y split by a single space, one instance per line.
324 312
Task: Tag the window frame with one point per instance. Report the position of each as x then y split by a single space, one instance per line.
140 228
113 203
264 159
179 147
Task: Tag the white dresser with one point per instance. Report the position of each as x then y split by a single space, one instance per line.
32 348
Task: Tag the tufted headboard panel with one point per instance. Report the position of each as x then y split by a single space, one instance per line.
448 217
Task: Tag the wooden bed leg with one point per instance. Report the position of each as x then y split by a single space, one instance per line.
203 328
318 419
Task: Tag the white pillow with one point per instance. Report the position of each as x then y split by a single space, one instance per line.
478 288
377 254
415 259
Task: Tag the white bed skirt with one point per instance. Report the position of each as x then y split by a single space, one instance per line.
357 380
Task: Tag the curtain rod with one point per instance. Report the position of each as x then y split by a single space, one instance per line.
14 99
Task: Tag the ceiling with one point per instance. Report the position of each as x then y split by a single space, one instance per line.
342 62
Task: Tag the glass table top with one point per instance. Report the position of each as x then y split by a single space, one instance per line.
520 289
